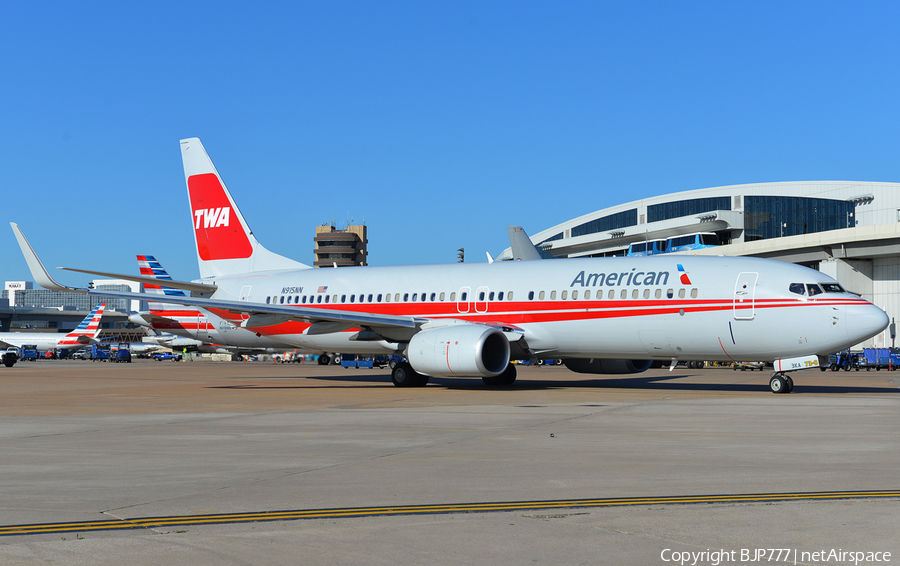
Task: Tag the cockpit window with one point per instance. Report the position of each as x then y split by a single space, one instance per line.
813 289
797 288
832 288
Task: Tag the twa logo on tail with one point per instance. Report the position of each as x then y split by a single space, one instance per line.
212 217
216 237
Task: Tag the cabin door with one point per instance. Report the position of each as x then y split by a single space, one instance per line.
745 296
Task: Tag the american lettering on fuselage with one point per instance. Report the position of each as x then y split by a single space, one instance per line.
473 319
632 278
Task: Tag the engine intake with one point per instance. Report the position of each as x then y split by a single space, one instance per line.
584 365
459 350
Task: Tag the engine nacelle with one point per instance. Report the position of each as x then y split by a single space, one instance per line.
584 365
459 350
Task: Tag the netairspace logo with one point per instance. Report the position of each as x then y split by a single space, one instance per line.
773 555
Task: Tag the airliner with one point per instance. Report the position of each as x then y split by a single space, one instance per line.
600 315
84 334
199 329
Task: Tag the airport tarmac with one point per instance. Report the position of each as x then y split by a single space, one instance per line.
260 463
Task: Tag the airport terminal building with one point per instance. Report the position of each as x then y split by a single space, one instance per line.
849 230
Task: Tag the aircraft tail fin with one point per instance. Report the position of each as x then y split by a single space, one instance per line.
149 267
225 243
86 332
522 248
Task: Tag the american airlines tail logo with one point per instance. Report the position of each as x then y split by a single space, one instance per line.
684 278
217 237
212 217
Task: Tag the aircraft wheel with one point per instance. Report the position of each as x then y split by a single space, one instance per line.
403 375
324 360
790 384
393 363
777 384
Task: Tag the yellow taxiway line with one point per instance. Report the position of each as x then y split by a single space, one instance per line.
349 512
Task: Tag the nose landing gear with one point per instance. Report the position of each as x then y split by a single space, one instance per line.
780 383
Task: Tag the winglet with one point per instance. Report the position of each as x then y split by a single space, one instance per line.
38 271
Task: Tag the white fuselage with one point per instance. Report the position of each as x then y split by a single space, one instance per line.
662 307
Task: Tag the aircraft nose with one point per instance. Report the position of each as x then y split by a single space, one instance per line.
865 321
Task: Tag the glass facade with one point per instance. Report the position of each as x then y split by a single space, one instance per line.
768 217
81 302
677 209
613 221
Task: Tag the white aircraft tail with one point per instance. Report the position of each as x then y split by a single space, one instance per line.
86 332
225 243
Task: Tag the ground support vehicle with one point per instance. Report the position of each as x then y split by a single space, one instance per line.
9 357
167 356
123 353
29 352
880 358
356 361
100 352
744 366
80 355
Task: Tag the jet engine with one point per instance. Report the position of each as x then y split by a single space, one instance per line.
459 350
584 365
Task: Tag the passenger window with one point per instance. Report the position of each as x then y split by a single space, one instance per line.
432 297
658 294
797 288
319 299
611 294
296 299
693 293
491 296
397 297
405 297
574 295
541 297
813 289
387 298
289 299
453 296
442 297
481 296
326 298
634 294
681 293
587 295
370 297
564 295
670 293
379 297
646 293
343 298
552 295
352 298
623 294
463 297
268 300
509 296
500 296
282 300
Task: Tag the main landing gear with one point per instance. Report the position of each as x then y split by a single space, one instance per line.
403 375
505 379
780 383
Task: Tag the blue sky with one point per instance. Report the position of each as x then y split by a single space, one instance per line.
438 124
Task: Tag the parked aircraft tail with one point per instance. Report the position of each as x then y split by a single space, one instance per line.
149 267
87 331
225 243
522 248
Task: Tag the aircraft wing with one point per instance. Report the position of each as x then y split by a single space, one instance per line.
200 288
6 345
324 321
